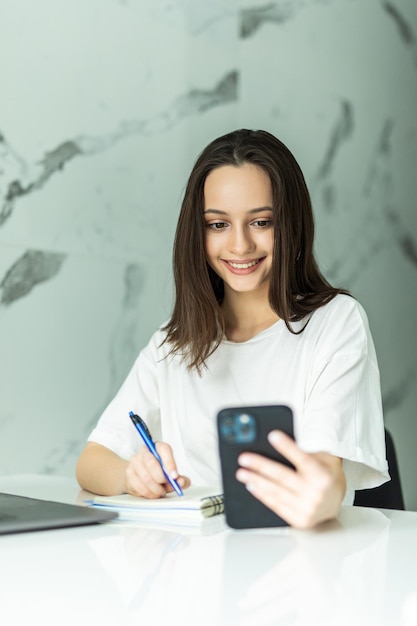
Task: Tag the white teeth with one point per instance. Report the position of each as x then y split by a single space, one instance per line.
242 266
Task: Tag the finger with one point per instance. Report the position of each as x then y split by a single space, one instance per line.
145 475
142 487
184 482
272 470
269 493
286 446
165 452
296 511
153 466
302 508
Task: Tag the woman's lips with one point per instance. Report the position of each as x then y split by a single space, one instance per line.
243 267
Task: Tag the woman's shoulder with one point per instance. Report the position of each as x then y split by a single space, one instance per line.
342 322
342 307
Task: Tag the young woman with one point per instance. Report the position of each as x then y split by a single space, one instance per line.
254 322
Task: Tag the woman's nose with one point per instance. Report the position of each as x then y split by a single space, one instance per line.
240 241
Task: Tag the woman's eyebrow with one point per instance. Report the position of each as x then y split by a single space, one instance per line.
251 211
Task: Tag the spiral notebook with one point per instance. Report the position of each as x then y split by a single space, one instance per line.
196 504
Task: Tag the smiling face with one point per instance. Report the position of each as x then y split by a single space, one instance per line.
239 230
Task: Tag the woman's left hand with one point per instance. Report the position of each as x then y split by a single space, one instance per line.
305 496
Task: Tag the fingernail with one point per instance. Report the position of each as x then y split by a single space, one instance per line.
174 474
274 436
243 476
244 460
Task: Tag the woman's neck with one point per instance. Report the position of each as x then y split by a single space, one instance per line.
246 315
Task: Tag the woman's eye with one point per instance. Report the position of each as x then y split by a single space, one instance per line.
263 223
217 225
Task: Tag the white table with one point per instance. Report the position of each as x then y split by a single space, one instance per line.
360 569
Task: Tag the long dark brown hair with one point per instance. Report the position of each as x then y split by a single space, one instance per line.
297 287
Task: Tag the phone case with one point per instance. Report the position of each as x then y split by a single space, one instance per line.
247 428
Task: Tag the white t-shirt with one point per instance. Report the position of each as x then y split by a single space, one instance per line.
328 375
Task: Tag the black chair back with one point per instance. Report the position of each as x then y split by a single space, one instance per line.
390 494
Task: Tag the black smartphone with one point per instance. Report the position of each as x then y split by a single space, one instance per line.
242 429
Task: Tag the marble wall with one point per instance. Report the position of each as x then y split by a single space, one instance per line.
104 106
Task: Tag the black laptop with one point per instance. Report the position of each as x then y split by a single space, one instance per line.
22 514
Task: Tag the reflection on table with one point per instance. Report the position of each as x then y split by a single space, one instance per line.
358 569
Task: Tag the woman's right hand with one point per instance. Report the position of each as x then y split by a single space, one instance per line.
144 475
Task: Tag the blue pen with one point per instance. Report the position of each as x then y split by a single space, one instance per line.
147 438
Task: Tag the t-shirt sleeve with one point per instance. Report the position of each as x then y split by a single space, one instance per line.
343 408
139 393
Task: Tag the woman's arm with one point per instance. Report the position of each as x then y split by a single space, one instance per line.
102 471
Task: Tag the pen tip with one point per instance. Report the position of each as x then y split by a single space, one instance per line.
131 413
